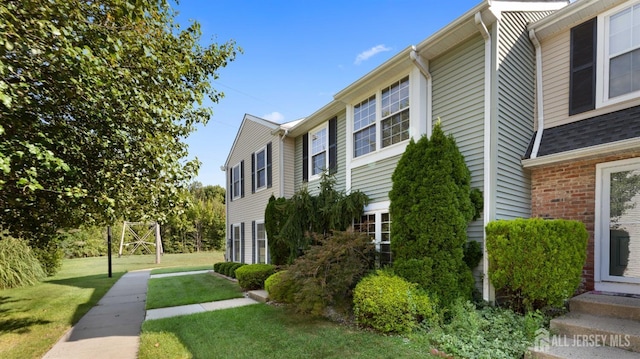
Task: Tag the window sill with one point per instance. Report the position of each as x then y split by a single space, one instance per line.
381 154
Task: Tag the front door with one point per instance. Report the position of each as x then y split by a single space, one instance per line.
618 226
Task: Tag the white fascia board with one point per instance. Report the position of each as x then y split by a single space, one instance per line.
326 113
247 117
584 153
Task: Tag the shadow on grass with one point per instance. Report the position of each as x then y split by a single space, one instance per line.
15 325
98 282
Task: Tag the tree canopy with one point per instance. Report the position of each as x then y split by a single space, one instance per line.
96 99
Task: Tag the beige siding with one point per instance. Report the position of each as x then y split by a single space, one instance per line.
253 137
289 167
555 79
374 179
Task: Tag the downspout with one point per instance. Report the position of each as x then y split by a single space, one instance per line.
281 161
539 101
424 69
488 197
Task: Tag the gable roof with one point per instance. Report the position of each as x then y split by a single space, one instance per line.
591 136
270 125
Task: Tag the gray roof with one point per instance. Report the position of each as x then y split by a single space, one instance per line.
598 130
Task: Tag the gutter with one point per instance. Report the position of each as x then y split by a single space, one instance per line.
424 69
539 94
488 202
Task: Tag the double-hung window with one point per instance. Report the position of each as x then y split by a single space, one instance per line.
236 181
261 168
382 119
319 146
237 248
622 52
261 243
378 227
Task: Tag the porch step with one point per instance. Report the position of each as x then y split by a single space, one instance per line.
586 327
598 326
609 305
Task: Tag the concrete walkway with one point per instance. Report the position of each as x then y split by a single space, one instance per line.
111 329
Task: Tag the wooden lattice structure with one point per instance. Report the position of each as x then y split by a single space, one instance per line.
140 235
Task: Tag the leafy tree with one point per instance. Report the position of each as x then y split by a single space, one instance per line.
431 206
289 222
96 98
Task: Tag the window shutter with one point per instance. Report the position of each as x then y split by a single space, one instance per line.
582 85
333 145
269 180
253 241
242 242
305 157
242 178
253 172
230 246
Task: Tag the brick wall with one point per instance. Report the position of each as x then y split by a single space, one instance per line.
568 191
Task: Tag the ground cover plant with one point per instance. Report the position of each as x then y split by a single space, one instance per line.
263 331
189 289
33 318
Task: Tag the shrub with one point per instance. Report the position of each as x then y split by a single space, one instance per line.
538 263
216 266
326 274
48 253
390 304
18 265
232 269
252 276
489 332
431 205
84 242
472 254
280 287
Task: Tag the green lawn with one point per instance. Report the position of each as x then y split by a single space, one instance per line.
264 331
32 319
181 269
189 289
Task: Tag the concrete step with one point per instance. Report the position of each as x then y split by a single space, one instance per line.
607 305
562 348
258 295
623 333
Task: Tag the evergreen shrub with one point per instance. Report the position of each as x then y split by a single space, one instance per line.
18 265
252 276
280 287
431 204
232 269
390 304
536 262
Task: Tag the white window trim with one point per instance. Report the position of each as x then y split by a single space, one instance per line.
255 178
603 281
416 129
602 63
266 242
233 242
311 154
236 169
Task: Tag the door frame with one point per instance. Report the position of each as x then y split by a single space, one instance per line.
602 280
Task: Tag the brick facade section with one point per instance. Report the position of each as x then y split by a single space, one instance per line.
568 191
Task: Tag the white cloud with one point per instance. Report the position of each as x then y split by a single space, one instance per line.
365 55
274 116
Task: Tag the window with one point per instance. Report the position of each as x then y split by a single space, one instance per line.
364 127
393 115
622 55
320 150
261 169
261 243
378 227
236 181
319 147
236 243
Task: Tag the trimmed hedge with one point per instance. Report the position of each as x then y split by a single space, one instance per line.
536 262
390 304
252 276
227 268
280 287
231 271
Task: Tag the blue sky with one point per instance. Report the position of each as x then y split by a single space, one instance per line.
297 55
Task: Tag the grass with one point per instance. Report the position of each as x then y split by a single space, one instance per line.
189 289
263 331
32 319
